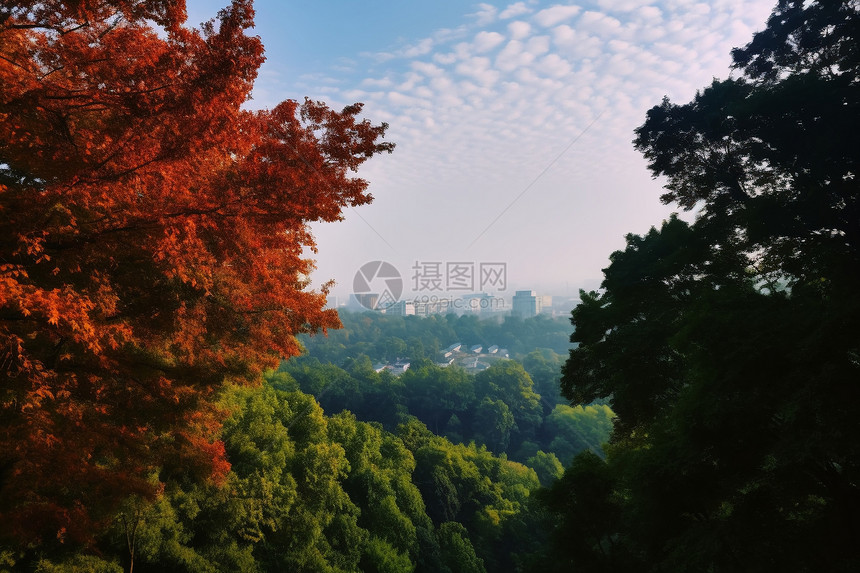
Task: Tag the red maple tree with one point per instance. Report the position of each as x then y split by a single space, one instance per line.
151 240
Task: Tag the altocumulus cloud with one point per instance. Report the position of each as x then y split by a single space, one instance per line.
554 68
479 109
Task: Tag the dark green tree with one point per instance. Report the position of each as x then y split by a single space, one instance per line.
434 394
488 495
493 424
730 347
543 366
570 430
508 382
458 551
547 467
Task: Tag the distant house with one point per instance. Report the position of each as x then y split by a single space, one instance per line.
475 365
493 349
476 349
400 367
454 347
397 368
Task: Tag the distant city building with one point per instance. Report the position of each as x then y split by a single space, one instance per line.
401 308
546 304
363 301
526 304
428 308
331 301
481 303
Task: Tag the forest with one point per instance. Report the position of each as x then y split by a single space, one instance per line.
337 467
176 398
512 407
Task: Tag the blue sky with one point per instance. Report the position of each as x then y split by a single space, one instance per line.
513 121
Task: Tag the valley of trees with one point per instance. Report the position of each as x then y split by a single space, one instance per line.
513 407
164 406
343 468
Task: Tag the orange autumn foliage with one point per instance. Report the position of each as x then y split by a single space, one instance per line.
151 240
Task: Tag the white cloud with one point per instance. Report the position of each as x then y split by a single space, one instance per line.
423 92
700 9
399 99
479 69
624 5
576 44
445 58
485 15
599 23
538 45
519 29
513 55
377 82
426 68
514 10
646 34
445 35
357 95
620 65
555 15
649 13
673 52
410 82
486 41
441 84
379 56
674 26
463 50
419 49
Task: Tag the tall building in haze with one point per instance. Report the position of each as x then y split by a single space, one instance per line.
526 303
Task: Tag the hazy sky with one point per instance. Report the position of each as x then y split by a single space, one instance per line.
513 121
